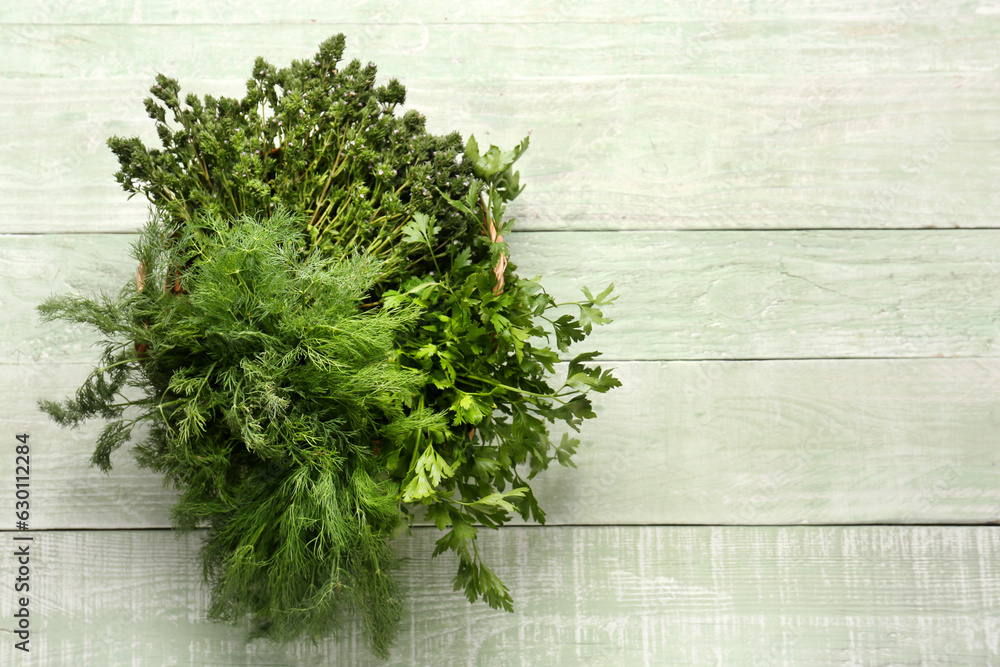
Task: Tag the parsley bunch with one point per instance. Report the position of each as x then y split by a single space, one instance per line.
330 340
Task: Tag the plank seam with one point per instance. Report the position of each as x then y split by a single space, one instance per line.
873 524
553 230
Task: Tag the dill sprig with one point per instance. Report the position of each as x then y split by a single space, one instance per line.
266 386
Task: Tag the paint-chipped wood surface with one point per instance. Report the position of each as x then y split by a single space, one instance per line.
698 120
682 295
798 205
601 595
753 443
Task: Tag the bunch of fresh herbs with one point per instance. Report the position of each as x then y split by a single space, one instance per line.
326 336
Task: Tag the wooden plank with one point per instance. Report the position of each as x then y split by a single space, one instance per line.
799 442
35 267
794 442
66 492
185 12
619 154
585 596
628 140
780 295
683 295
778 46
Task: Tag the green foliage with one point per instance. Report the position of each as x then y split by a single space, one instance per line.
486 365
328 339
266 387
317 138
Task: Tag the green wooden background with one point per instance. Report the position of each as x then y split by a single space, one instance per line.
799 204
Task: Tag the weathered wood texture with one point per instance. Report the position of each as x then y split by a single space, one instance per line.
816 442
683 295
585 596
374 13
700 121
803 333
452 51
